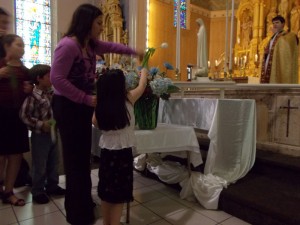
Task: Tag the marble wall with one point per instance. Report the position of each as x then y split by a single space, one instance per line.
278 115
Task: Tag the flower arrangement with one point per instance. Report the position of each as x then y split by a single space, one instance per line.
158 86
158 83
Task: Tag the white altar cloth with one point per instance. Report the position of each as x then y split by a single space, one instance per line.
232 136
232 131
165 138
195 112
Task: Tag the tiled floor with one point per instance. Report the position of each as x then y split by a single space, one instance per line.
155 204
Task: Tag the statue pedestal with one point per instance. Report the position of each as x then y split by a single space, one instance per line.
253 80
202 79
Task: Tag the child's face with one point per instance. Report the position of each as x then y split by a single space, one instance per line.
44 82
16 49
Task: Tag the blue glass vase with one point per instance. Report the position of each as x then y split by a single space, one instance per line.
146 111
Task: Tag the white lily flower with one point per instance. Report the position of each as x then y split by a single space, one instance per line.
164 45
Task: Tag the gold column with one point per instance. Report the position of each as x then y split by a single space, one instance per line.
254 41
261 21
256 19
117 27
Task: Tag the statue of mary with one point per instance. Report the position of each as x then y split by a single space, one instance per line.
201 49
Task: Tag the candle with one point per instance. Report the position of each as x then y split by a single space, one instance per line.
235 60
238 40
256 58
216 62
208 64
245 59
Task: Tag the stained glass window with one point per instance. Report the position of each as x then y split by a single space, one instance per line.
33 24
182 13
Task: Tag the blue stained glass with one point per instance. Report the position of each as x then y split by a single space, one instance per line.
33 24
182 13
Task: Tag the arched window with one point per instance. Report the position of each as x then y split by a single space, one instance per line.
33 24
183 14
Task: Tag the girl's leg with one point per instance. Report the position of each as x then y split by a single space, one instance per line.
111 213
105 211
13 166
116 213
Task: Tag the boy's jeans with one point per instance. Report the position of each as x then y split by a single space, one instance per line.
44 163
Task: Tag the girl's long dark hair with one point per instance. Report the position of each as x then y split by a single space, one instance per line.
82 22
111 111
8 39
2 51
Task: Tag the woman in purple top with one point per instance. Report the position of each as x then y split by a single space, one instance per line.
72 75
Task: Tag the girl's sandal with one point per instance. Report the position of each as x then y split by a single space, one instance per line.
7 198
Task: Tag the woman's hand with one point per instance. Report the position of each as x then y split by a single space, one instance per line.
94 101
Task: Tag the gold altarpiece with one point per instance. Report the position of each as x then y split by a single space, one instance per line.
113 27
254 30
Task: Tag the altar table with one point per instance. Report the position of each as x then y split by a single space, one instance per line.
165 139
231 125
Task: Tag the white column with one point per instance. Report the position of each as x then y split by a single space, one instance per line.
178 37
133 10
231 35
226 40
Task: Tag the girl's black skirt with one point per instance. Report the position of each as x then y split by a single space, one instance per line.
116 175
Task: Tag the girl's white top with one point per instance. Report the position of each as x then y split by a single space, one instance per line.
122 138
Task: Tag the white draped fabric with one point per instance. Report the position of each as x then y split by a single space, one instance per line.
205 188
197 113
232 133
231 153
167 139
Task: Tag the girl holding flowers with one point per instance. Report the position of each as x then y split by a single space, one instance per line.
114 116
